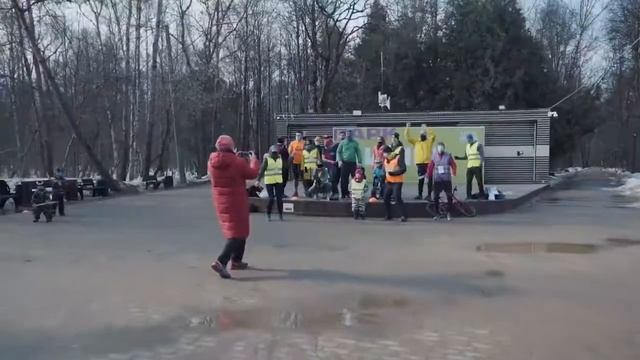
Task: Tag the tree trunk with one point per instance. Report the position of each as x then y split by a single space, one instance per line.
69 115
172 107
137 109
153 111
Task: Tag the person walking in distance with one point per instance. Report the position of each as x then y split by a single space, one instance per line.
422 149
228 173
271 171
349 157
284 155
442 168
296 159
58 190
474 155
395 168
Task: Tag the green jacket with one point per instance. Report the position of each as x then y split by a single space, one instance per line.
349 150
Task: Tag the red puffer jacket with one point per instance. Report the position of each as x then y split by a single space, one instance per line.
228 175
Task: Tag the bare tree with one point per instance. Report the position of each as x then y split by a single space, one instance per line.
27 26
330 26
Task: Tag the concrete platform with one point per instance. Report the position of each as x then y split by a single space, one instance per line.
516 196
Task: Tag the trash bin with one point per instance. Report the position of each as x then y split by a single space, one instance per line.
167 182
71 189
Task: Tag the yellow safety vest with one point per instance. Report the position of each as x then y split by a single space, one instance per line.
310 159
273 173
473 155
357 188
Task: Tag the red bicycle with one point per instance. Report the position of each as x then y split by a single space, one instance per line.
457 206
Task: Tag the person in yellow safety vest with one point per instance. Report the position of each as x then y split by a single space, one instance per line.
422 149
358 189
271 171
311 158
395 168
474 155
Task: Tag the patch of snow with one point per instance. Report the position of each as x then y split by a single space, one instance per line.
631 186
135 182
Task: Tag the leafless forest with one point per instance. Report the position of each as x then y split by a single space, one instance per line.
124 88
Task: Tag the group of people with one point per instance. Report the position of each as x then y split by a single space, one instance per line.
322 165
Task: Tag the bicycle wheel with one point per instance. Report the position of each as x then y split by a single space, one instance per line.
431 209
465 208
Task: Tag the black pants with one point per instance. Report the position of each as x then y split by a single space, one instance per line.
60 200
447 187
275 192
296 170
38 210
393 190
335 179
233 250
477 173
422 174
348 169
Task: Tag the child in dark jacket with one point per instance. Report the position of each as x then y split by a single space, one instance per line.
321 183
38 202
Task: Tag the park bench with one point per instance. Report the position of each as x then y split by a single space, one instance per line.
4 199
6 195
151 180
85 184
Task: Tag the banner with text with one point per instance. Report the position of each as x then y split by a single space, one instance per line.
454 139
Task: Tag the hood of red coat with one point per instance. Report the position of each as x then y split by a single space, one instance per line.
221 160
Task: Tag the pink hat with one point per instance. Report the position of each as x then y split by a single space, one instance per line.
225 142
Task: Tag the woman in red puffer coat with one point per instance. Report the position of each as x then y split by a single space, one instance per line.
228 173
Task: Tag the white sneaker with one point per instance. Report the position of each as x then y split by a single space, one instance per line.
448 216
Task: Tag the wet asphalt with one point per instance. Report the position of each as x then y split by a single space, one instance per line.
128 278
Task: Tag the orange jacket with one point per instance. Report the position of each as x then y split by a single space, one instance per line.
295 151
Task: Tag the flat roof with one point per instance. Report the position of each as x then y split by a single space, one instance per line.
435 116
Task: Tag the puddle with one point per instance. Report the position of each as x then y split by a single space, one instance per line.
555 247
535 248
365 310
622 242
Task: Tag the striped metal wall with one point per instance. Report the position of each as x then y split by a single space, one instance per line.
517 142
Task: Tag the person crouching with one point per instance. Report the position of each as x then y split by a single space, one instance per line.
442 167
321 186
358 189
39 200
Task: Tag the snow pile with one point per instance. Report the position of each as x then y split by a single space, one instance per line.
631 186
12 182
135 182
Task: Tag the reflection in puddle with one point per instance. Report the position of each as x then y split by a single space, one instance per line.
361 311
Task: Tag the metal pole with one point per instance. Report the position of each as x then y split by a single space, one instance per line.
634 151
381 72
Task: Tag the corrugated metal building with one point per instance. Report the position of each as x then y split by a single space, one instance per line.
516 141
